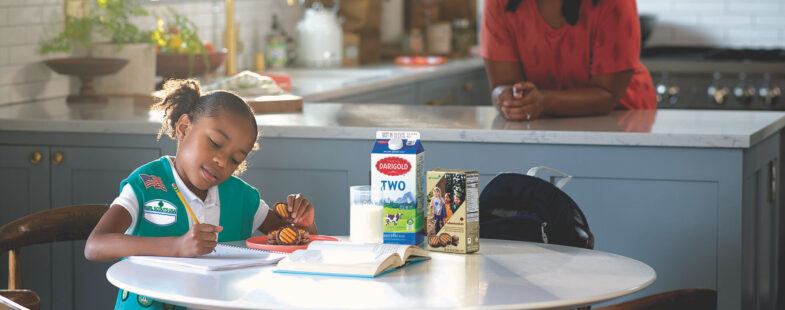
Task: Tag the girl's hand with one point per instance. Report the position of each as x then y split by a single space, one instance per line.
302 211
199 240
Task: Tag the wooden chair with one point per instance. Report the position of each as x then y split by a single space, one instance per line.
60 224
683 299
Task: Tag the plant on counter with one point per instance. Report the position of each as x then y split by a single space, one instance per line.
108 18
175 33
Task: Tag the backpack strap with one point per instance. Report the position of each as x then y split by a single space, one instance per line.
564 177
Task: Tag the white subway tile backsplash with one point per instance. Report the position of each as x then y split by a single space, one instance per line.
774 20
37 71
725 20
22 54
5 96
40 90
12 35
700 7
13 74
654 6
3 56
739 6
26 15
53 13
12 3
35 34
3 16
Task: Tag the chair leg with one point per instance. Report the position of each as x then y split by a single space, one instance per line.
14 269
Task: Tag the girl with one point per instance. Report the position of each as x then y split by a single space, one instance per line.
215 133
437 207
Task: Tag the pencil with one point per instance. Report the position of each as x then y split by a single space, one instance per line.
187 208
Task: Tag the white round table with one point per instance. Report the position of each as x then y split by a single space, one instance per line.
504 274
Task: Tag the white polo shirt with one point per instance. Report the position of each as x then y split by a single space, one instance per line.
207 211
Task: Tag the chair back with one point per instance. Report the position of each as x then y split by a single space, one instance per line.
683 299
59 224
516 206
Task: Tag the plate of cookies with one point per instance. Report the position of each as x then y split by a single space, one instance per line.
287 238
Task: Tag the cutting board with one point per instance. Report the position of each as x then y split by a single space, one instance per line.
276 104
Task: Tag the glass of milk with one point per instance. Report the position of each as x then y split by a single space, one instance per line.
365 217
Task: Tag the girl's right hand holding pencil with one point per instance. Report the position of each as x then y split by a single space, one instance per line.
199 240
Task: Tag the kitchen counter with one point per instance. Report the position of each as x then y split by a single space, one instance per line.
669 128
316 85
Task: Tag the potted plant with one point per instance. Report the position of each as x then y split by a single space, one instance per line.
110 41
180 51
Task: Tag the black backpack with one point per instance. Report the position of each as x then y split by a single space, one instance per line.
516 206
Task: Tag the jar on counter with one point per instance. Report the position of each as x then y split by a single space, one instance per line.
463 36
414 42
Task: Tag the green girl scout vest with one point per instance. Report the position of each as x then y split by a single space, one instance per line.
162 214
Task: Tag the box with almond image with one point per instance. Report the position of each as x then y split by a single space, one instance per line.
453 211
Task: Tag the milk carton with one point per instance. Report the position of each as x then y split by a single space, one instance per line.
397 180
453 211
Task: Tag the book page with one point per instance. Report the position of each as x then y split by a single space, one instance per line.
380 250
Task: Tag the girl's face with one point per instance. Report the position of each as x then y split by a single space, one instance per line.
210 149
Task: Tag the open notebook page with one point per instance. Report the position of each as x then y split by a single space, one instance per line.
225 257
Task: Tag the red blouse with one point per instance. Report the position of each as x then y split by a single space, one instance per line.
605 40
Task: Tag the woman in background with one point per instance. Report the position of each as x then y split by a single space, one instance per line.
564 57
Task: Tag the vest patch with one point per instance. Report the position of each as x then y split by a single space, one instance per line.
160 212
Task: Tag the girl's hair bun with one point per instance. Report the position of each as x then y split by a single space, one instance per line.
178 97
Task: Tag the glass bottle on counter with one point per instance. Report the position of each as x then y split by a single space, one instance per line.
463 36
276 49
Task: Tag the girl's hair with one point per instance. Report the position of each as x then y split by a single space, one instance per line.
185 97
570 9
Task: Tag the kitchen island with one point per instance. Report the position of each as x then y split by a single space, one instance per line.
692 193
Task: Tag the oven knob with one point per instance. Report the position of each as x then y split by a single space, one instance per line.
672 94
717 93
769 93
743 92
666 93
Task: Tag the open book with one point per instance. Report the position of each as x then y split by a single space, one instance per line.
350 259
225 257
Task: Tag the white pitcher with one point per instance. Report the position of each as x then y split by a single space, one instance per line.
319 37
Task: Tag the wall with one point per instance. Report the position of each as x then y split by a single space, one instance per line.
729 23
26 23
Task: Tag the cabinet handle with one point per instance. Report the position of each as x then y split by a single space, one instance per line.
772 180
467 87
35 157
57 158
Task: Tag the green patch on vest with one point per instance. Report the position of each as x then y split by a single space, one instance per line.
144 301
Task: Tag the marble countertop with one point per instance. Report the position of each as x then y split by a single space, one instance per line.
669 128
316 85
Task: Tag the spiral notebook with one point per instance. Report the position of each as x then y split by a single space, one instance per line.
225 257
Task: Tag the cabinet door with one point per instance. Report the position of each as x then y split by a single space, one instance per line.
476 89
24 188
88 176
443 91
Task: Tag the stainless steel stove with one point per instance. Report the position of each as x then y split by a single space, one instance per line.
713 78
